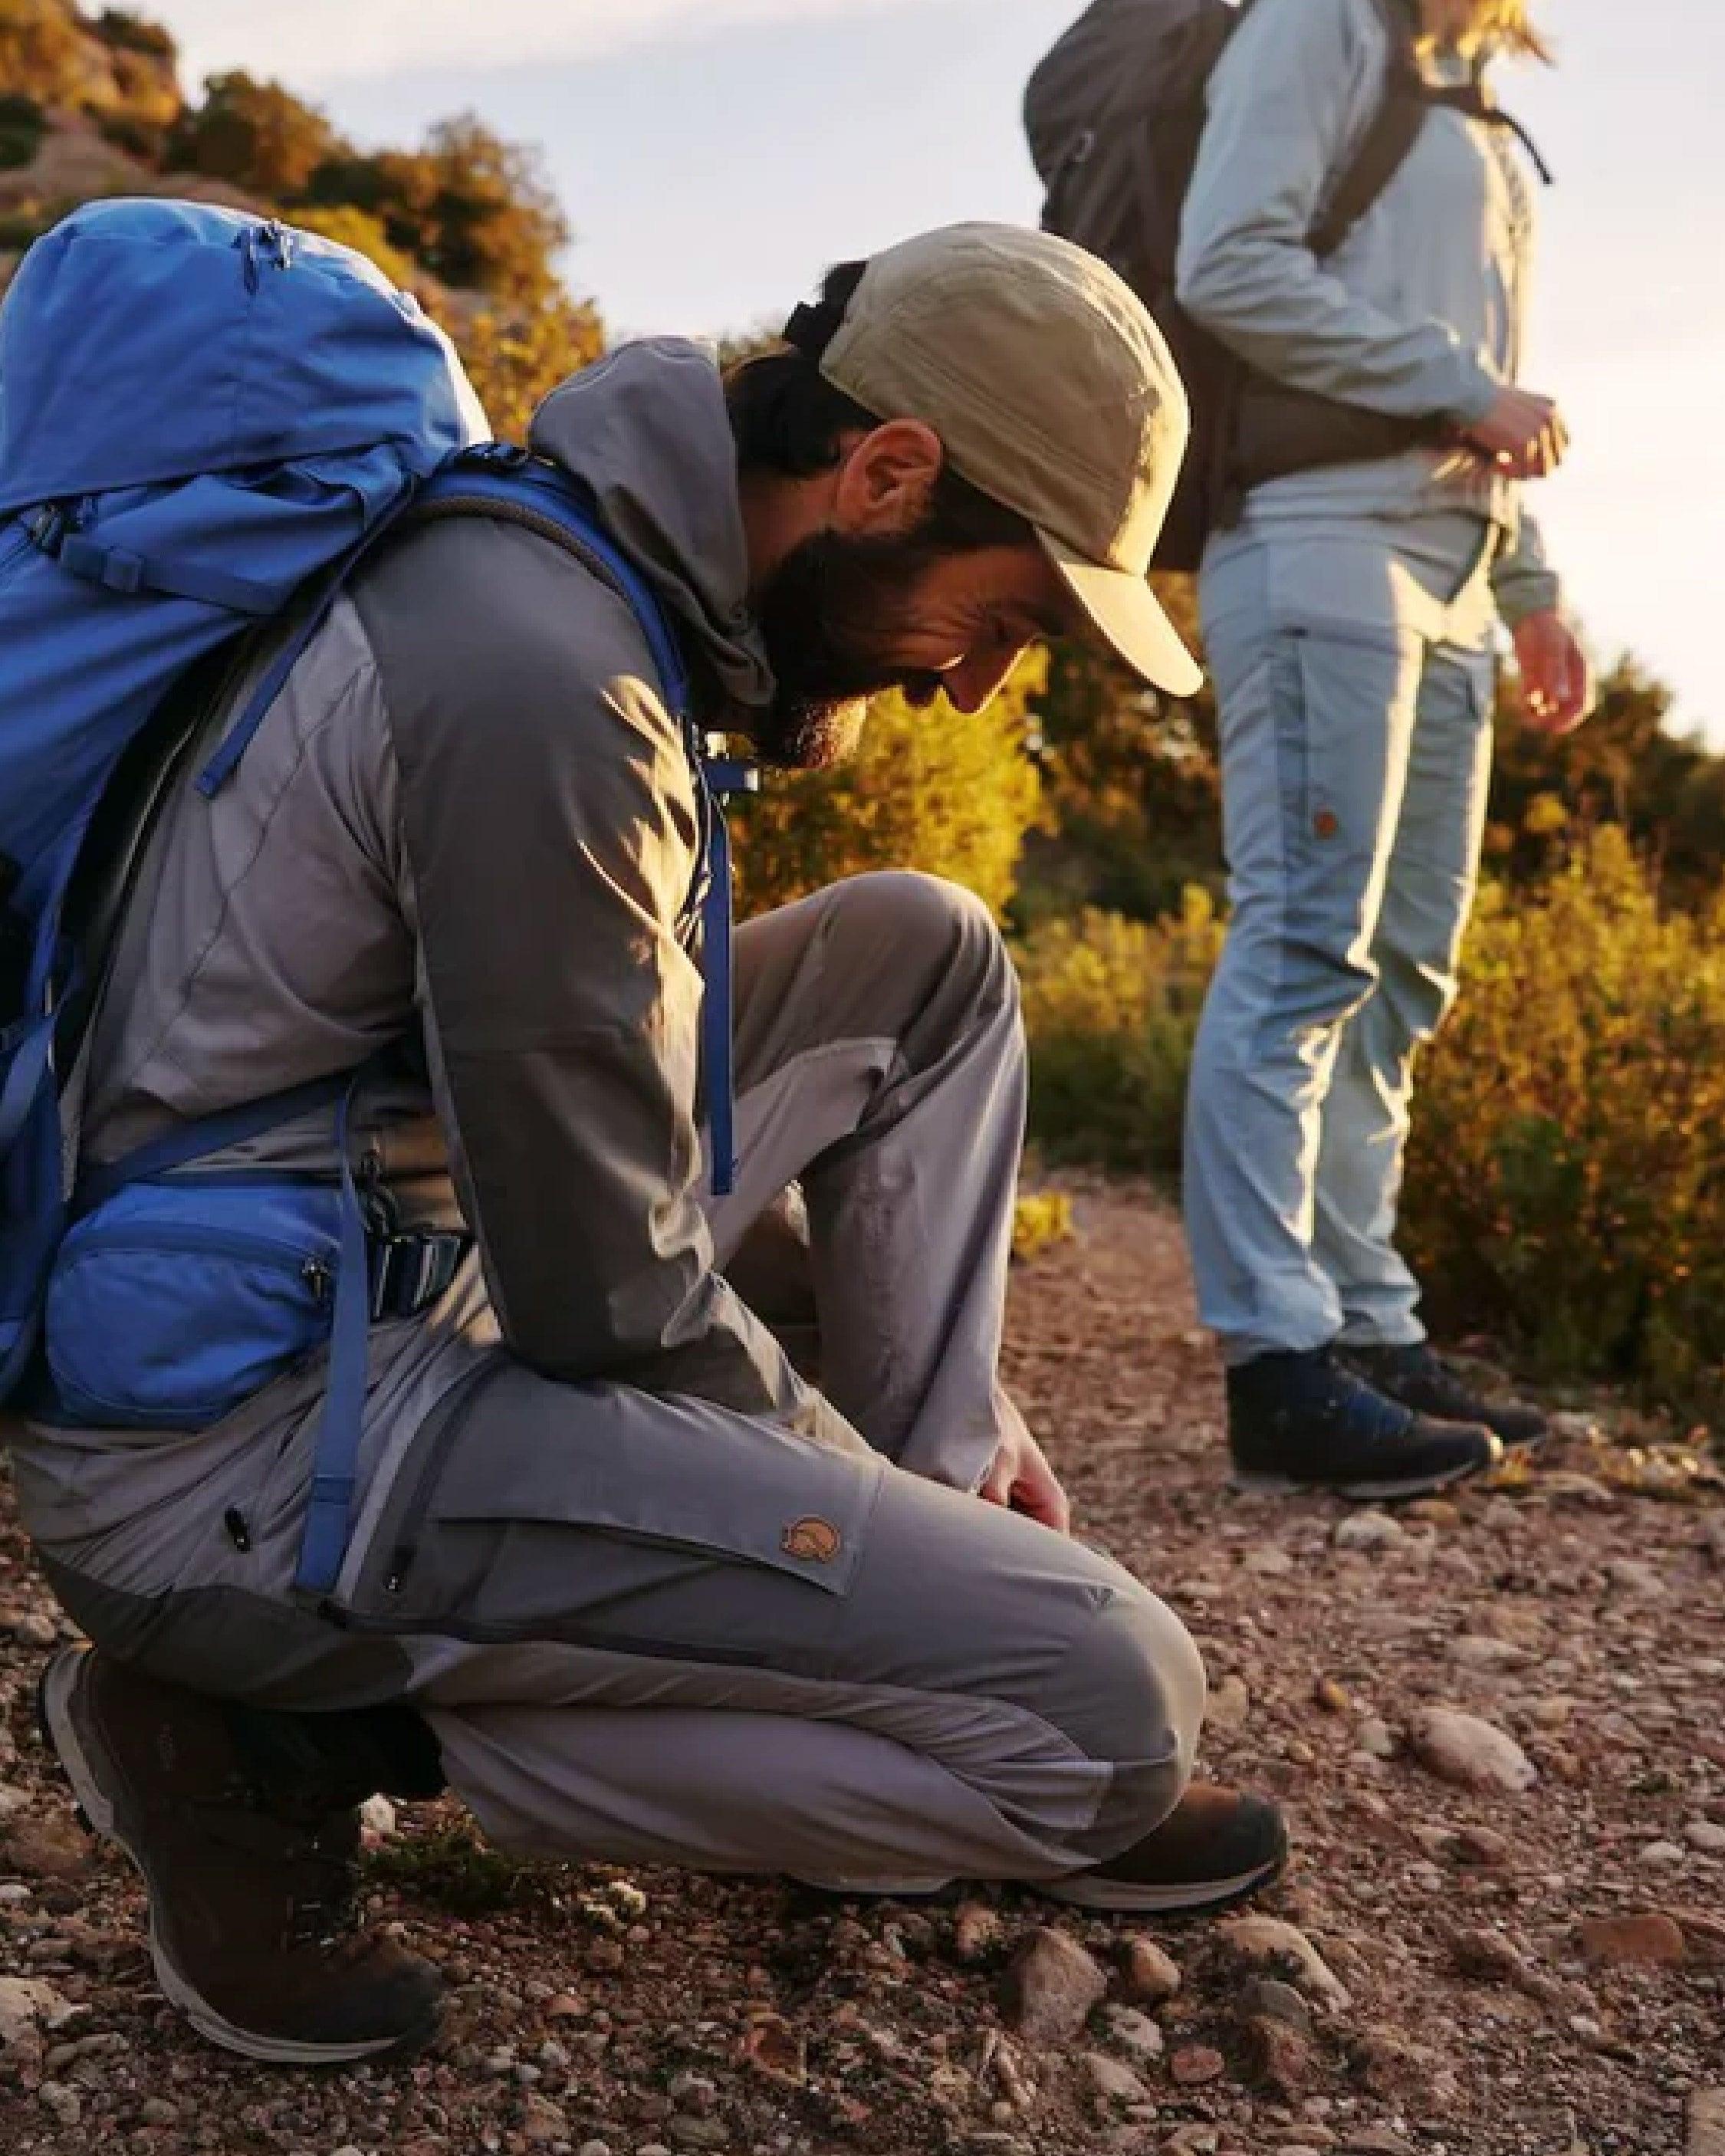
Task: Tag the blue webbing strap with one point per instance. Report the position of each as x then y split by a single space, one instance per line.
211 1134
118 569
30 1058
335 1465
725 778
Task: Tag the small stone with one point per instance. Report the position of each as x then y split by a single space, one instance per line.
689 2131
1630 1576
1369 1529
34 1630
1048 1993
1276 2055
1111 2081
1376 1738
1152 1975
543 2122
1331 1696
1434 1511
378 1822
1268 1562
773 2048
1229 1704
565 2006
1568 1486
1194 2064
65 2104
1706 1836
158 2110
1269 1943
594 2148
1135 2032
1646 1939
1489 1958
1706 2121
1476 1650
1661 1853
12 1801
1270 2000
1472 1754
977 1932
1481 1845
46 1849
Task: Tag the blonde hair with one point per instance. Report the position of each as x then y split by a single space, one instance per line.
1506 26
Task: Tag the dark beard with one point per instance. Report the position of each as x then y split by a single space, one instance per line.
823 616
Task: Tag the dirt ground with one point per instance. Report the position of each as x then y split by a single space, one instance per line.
1528 1964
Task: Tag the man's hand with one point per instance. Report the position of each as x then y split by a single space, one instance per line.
1521 436
1557 681
1023 1481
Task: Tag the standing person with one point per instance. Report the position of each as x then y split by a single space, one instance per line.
1351 615
617 1574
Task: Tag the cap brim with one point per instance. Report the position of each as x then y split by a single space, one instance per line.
1128 616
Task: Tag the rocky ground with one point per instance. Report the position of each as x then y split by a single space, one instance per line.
1495 1723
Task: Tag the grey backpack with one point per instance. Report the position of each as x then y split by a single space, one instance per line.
1114 113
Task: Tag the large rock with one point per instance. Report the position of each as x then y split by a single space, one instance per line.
28 2006
1051 1988
1266 1943
1474 1754
1707 2123
1645 1939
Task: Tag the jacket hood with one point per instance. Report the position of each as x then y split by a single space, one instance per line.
646 429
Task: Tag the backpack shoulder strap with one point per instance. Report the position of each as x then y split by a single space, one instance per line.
1407 99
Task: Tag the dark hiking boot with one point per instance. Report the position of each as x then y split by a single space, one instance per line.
1309 1422
1216 1847
250 1894
1421 1379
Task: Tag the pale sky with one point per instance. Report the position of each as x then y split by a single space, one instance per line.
716 155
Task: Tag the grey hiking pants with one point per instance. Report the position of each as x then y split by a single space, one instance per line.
645 1628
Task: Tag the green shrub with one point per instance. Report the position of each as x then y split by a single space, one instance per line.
1112 1006
1566 1184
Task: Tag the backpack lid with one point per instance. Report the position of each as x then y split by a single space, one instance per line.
143 341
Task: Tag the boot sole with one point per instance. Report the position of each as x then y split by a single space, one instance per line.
57 1717
1375 1490
1080 1891
1192 1898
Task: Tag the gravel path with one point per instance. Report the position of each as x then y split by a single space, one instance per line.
1495 1723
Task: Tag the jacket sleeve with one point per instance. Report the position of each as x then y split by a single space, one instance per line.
1524 582
1288 104
548 838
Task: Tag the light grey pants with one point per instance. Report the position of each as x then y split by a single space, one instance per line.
649 1627
1353 663
954 1690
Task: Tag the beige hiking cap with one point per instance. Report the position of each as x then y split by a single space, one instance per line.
1052 390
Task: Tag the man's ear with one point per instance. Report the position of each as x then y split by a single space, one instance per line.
885 478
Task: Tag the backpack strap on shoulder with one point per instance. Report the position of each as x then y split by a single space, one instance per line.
1401 115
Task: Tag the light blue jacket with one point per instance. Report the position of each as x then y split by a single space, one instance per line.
1420 311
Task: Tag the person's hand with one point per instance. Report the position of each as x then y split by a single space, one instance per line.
1556 682
1521 436
1022 1479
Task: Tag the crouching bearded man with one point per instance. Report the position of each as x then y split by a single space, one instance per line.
619 1576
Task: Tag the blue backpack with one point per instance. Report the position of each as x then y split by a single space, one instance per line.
207 420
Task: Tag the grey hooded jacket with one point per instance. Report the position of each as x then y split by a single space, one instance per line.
470 819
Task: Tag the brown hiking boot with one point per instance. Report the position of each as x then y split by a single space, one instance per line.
1215 1847
249 1897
